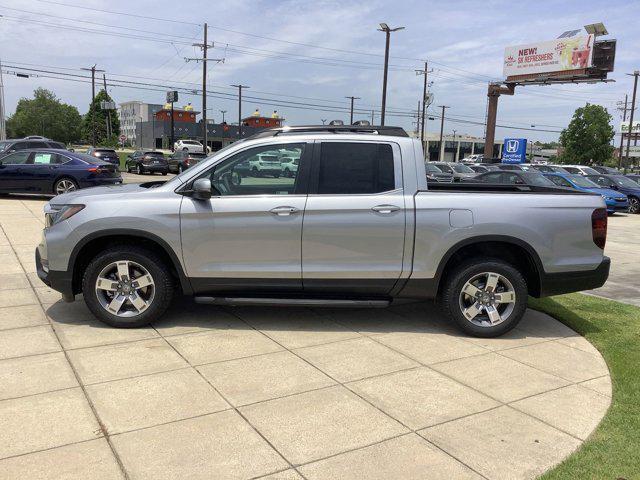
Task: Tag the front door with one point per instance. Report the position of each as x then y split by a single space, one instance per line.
12 172
247 236
354 223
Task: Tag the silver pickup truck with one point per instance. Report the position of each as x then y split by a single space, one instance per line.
355 225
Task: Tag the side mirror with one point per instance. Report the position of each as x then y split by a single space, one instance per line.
202 189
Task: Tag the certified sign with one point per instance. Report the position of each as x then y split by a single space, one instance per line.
559 55
514 150
624 127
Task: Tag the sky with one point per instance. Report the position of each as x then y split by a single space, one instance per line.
272 46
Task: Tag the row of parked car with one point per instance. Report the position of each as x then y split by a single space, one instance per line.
620 192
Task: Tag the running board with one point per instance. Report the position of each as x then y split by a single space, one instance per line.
293 302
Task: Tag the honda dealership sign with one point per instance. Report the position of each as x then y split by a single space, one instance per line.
559 55
514 150
624 127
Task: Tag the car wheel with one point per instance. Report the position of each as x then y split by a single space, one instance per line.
180 168
127 167
484 297
255 172
139 170
185 149
64 185
634 205
164 173
276 175
127 286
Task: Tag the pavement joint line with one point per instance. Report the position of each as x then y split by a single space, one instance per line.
38 393
103 429
233 407
50 448
342 384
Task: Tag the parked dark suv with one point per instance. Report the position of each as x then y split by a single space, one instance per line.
180 160
146 161
15 145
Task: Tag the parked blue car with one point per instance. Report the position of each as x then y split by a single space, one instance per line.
54 171
621 184
615 200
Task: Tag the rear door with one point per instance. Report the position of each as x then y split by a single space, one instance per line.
354 222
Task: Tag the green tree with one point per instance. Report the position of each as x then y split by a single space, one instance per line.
100 120
45 115
588 137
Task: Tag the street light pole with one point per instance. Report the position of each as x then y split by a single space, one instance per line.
387 30
351 117
223 126
443 107
633 107
240 87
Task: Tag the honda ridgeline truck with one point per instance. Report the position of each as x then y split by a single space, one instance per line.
355 225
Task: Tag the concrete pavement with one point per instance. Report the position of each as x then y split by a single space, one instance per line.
279 393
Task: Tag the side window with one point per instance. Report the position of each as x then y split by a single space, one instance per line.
572 170
42 158
604 182
355 168
561 182
493 177
19 158
258 171
20 146
511 178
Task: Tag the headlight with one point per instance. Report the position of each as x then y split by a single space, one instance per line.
56 213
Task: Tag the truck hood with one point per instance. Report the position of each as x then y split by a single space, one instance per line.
95 193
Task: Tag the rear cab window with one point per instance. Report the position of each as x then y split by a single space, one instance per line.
355 168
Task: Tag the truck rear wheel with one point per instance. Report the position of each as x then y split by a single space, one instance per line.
485 297
127 286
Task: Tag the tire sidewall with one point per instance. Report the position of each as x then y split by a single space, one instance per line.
456 281
156 268
55 185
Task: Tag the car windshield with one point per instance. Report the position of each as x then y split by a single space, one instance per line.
105 150
458 167
558 169
589 171
430 168
155 154
87 158
582 182
4 145
624 181
537 179
445 168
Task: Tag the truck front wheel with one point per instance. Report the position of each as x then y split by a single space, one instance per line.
127 286
485 297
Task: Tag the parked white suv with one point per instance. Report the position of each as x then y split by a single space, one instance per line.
191 146
289 166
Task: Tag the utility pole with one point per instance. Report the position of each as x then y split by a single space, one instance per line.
104 79
93 71
323 120
373 115
3 125
240 87
426 73
204 46
624 119
352 99
387 30
633 107
493 93
418 118
440 157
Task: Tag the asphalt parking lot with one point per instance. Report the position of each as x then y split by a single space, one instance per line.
285 393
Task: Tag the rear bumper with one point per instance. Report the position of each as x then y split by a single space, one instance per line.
61 281
155 168
567 282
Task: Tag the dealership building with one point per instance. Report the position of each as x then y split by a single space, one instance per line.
455 147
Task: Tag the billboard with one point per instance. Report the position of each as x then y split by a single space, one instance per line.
624 127
514 150
559 55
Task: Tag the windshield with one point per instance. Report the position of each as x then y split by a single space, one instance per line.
154 154
624 181
538 180
4 145
583 182
445 168
431 168
105 150
458 167
589 171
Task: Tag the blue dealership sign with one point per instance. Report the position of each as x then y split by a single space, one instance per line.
514 150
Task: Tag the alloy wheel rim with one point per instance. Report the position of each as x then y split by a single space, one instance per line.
64 186
634 205
125 288
487 299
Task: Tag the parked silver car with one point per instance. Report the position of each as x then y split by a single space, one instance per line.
459 171
356 225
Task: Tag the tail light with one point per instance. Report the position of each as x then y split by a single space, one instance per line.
599 227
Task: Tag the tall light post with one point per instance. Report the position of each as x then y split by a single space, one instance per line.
223 125
443 107
240 87
387 30
351 116
633 107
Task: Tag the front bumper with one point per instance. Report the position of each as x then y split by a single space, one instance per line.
61 281
613 206
576 281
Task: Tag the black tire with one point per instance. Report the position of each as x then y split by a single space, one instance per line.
634 205
450 298
139 170
276 175
164 173
180 168
64 179
159 271
127 166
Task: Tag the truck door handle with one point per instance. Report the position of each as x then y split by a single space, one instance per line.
385 208
284 211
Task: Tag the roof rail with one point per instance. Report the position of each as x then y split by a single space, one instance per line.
370 129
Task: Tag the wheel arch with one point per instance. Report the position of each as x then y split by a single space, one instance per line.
86 248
